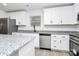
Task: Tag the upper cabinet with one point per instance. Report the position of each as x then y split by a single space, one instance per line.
19 16
76 6
60 15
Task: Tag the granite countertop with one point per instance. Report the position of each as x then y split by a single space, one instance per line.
11 43
49 32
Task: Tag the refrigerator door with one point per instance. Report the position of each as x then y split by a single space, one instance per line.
7 26
12 26
3 25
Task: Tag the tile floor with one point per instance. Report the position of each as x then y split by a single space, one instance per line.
43 52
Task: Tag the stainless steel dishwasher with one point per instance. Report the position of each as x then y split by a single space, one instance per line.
45 41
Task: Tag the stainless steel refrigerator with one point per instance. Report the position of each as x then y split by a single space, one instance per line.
7 26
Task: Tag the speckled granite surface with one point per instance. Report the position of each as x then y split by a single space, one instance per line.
10 43
49 32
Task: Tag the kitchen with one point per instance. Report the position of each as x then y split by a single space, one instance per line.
48 30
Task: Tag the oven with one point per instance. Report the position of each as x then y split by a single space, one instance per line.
74 46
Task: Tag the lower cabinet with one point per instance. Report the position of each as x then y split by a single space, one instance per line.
60 42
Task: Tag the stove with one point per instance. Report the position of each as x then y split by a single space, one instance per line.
74 45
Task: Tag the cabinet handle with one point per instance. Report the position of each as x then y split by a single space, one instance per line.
63 36
61 21
51 21
54 41
54 46
19 22
60 41
54 36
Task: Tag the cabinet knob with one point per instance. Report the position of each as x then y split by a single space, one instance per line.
51 21
63 36
61 21
19 22
54 41
54 46
60 41
54 36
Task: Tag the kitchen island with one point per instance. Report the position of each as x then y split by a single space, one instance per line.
16 45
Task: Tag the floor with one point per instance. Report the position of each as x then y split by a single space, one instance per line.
43 52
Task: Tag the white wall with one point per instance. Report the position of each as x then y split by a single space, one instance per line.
2 14
42 27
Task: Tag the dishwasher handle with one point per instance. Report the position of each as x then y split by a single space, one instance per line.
45 34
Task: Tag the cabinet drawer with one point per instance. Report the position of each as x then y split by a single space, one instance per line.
59 36
64 36
55 47
54 41
56 36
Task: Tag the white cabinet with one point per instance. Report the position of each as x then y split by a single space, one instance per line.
67 15
47 17
20 17
60 15
36 35
76 6
60 42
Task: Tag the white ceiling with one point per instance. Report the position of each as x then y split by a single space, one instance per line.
24 6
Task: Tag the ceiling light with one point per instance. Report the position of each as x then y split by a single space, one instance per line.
5 4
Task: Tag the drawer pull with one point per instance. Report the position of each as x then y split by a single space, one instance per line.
54 41
60 41
54 36
54 46
63 36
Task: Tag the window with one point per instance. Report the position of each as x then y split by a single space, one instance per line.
35 20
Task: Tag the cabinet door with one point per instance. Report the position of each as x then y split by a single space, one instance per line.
55 14
65 42
47 17
68 15
51 16
76 6
19 16
64 15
